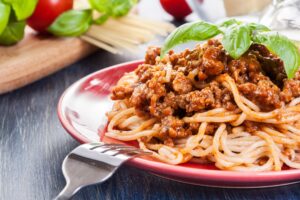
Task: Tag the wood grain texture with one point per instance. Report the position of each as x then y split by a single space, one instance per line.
36 57
33 145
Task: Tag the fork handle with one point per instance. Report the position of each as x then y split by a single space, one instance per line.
67 193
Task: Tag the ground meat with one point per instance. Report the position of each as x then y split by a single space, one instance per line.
144 72
271 65
244 69
174 58
139 99
125 86
212 96
156 88
213 61
151 54
174 127
193 85
290 90
265 94
227 100
210 129
138 95
170 100
159 110
156 108
121 92
194 127
181 84
198 100
250 126
169 142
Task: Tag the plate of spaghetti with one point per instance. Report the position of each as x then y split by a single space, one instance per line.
223 113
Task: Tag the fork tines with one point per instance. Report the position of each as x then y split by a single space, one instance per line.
115 149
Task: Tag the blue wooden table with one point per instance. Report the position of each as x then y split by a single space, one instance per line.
33 145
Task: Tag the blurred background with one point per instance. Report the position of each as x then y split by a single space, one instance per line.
36 31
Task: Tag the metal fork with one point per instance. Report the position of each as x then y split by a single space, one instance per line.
93 163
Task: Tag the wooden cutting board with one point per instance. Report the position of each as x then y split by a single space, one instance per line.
36 57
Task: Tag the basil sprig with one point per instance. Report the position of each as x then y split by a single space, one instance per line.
23 8
283 47
77 22
4 15
120 8
113 8
13 33
100 20
237 38
228 23
194 31
254 27
71 23
12 19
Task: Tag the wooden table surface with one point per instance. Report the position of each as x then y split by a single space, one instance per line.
33 145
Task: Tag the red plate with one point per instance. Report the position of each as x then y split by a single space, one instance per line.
82 109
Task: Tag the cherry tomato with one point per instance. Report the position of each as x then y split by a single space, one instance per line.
46 12
179 9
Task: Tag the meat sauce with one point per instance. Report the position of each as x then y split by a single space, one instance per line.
191 85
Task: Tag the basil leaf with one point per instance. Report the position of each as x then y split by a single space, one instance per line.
22 8
71 23
121 7
4 15
257 27
13 33
114 8
237 40
229 23
282 47
100 20
194 31
102 6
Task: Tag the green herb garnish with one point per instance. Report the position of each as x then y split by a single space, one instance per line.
237 38
282 47
71 23
4 15
75 23
113 8
13 32
194 31
13 14
12 19
23 8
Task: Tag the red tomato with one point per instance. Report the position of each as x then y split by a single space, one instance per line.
177 8
46 12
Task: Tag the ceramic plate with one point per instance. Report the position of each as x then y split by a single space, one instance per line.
82 109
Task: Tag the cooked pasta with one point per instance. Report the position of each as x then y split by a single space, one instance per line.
203 105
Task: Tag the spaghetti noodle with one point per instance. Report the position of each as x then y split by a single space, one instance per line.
201 105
